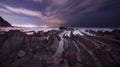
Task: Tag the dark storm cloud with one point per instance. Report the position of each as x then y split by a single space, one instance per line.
66 12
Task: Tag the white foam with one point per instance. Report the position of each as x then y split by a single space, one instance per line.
77 32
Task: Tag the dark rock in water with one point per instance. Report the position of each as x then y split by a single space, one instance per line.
61 28
4 23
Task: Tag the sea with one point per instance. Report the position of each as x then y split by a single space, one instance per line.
36 29
77 30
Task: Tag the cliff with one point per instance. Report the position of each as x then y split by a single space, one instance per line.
4 23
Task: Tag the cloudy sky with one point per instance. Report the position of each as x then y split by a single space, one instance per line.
72 13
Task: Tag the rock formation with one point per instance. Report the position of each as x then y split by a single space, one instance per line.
58 48
4 23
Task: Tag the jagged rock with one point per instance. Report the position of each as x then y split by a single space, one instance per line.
18 49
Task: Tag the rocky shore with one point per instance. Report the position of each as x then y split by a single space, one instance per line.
60 48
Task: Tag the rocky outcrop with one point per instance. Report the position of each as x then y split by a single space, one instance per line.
4 23
58 48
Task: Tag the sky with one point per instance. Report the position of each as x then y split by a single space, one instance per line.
55 13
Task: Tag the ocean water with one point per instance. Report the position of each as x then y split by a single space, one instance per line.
77 31
25 29
36 29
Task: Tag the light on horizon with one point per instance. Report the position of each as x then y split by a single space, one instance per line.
45 26
26 25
